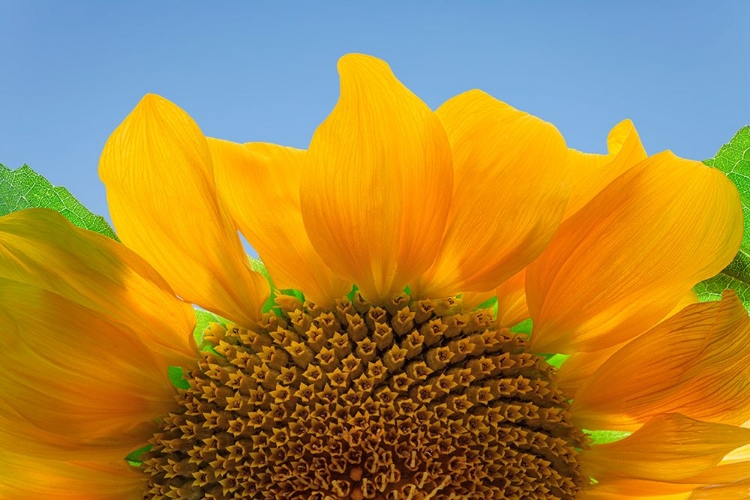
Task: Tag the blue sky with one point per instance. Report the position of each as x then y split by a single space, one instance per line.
253 71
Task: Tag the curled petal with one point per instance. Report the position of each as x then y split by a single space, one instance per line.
377 182
503 159
63 365
260 185
157 169
35 479
668 447
694 364
41 248
657 230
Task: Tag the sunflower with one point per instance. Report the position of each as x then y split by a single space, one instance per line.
402 246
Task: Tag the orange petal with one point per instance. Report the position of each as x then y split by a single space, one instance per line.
735 491
34 479
581 365
624 260
41 248
592 172
73 372
694 364
378 182
42 444
509 194
260 185
667 448
157 169
511 300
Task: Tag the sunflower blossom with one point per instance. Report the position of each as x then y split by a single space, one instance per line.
386 377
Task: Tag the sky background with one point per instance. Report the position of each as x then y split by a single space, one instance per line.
70 71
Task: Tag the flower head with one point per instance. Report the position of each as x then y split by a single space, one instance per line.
380 371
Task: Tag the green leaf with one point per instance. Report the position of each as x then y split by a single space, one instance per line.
734 160
23 188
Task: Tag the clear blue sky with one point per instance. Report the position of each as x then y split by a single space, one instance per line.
70 71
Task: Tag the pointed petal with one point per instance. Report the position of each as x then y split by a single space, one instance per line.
157 169
73 372
503 159
667 448
694 364
34 479
41 248
592 172
378 182
654 232
260 185
511 301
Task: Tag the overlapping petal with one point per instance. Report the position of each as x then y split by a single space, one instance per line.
667 448
503 159
654 232
35 479
260 184
41 248
157 169
592 172
72 372
694 364
377 182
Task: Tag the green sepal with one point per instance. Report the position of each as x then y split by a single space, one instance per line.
177 377
135 458
23 188
734 160
604 437
524 327
557 360
202 320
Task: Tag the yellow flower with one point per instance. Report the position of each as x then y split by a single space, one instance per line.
403 388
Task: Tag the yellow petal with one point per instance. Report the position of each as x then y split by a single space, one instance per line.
34 479
667 448
157 169
511 300
735 491
73 372
509 194
655 231
377 182
42 444
41 248
694 364
581 365
260 185
592 172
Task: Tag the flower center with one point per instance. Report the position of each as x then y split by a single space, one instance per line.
414 400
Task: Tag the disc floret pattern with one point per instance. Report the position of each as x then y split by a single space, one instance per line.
413 400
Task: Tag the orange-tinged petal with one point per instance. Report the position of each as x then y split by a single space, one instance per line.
509 194
511 301
655 231
157 169
581 365
694 364
35 479
592 172
377 182
471 300
260 185
668 447
43 444
41 248
71 371
735 491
